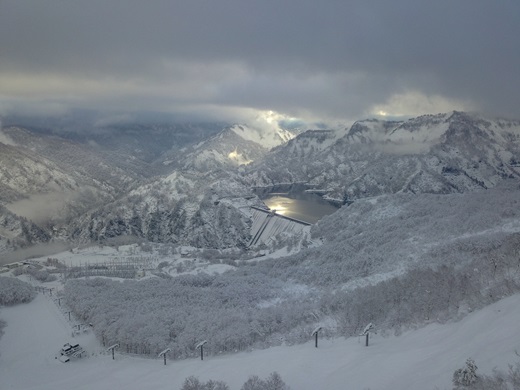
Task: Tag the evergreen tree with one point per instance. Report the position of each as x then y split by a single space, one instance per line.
465 377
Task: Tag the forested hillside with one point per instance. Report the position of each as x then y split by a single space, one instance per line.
185 209
398 261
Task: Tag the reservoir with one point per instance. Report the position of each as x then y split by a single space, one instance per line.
292 201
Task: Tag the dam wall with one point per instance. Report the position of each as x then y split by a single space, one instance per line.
267 224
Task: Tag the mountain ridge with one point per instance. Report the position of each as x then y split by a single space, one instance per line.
204 188
430 153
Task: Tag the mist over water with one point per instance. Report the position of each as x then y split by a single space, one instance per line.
38 250
41 208
294 202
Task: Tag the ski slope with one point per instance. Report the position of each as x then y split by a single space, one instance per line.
421 359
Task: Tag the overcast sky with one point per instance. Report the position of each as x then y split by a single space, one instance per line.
227 59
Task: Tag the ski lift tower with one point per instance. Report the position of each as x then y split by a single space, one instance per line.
201 346
112 348
366 332
163 354
315 334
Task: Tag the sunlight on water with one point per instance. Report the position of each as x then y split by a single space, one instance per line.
306 207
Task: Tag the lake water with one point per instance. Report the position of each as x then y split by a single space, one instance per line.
294 202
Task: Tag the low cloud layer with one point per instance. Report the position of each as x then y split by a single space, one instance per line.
219 59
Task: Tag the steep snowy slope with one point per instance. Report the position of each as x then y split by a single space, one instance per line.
202 210
268 137
85 160
23 173
421 359
233 146
17 232
225 150
147 142
50 180
293 161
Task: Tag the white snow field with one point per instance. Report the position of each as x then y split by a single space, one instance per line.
421 359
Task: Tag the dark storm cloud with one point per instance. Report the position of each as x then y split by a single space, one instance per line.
324 59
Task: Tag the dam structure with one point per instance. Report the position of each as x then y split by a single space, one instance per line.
267 223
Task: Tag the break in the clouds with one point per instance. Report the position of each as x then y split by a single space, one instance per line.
220 59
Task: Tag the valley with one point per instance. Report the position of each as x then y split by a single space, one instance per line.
269 195
182 247
193 186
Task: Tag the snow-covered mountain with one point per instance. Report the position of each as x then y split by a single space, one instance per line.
225 150
199 193
233 146
444 153
292 162
23 173
200 203
268 137
17 232
51 177
195 209
74 187
432 237
46 181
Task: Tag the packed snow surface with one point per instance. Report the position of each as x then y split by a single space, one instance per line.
421 359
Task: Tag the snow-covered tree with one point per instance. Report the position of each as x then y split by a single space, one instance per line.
273 382
13 291
465 377
193 383
253 383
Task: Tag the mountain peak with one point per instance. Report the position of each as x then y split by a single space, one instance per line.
267 137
